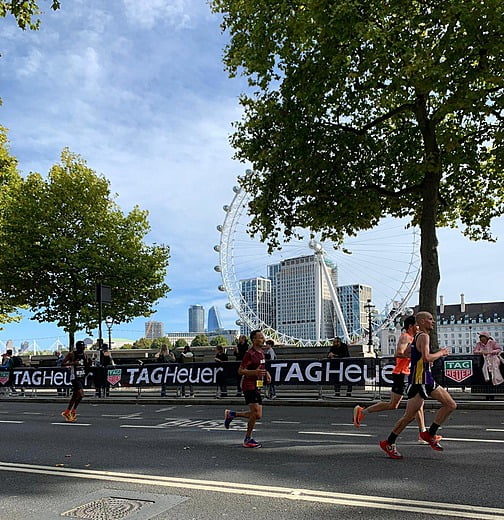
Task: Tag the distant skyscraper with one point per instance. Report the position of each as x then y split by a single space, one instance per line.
214 319
298 281
352 299
258 298
154 329
196 318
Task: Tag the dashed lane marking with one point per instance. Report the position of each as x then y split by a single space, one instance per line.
69 423
338 434
430 509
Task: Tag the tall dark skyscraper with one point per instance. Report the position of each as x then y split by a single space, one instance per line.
214 319
196 318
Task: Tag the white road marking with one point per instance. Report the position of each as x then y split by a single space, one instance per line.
472 440
153 427
69 423
338 434
32 413
431 509
494 430
12 422
285 422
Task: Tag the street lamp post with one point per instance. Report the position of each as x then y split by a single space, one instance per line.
109 321
369 308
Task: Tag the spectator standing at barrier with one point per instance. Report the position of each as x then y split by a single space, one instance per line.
421 385
8 364
220 358
490 350
269 355
399 374
339 350
165 355
106 362
63 391
79 363
186 356
254 374
239 351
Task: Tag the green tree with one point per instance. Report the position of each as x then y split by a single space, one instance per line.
219 340
25 12
200 340
142 343
363 109
65 234
9 180
158 342
181 343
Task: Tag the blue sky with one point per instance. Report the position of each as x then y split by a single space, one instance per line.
139 90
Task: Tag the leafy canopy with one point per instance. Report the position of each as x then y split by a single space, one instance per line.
361 109
25 12
63 235
9 178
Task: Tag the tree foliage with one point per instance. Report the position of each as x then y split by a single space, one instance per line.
181 343
200 340
362 109
63 235
219 340
25 12
9 179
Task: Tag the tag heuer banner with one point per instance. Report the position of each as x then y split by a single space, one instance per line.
354 371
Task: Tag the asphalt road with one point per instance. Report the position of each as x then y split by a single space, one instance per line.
178 462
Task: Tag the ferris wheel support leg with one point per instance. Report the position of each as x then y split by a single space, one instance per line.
334 298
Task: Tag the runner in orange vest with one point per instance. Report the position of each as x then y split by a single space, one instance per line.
401 370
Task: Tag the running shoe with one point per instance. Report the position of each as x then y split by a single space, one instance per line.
421 441
73 416
390 450
66 414
431 440
358 415
251 443
229 415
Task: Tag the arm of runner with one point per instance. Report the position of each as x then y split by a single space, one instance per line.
422 344
403 349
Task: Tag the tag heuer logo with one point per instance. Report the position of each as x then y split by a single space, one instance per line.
114 376
458 370
4 378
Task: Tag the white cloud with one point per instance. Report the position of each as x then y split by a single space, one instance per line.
148 14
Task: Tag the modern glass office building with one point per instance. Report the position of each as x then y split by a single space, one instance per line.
196 318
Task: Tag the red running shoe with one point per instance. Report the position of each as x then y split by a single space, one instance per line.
358 415
432 440
390 450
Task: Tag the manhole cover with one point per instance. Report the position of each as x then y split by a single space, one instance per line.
107 508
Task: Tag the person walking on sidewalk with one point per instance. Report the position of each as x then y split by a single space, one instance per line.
79 364
399 374
421 385
253 372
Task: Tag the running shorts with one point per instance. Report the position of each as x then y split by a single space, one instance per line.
252 396
424 391
398 384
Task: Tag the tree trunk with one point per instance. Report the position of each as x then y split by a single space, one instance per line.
430 277
71 340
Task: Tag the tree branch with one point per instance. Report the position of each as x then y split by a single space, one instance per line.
361 131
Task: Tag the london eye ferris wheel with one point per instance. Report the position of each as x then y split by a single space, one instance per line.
385 258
